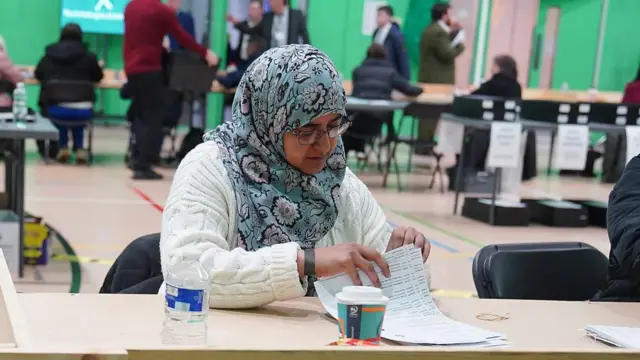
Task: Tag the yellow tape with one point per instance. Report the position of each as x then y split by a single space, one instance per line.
453 293
81 259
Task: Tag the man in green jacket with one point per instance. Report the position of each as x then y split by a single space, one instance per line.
440 44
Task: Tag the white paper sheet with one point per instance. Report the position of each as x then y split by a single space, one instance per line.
572 146
412 316
450 137
620 336
504 144
633 141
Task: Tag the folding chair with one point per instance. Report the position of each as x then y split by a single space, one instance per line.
413 111
569 271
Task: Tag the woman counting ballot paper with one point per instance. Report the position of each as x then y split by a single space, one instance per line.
267 203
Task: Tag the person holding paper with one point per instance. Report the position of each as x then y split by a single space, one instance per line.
267 202
440 45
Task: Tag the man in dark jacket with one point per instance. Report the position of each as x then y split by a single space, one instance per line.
279 27
440 44
374 79
254 18
388 34
68 59
623 226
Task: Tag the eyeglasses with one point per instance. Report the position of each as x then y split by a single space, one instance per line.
311 136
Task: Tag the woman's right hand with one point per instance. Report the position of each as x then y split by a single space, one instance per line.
349 258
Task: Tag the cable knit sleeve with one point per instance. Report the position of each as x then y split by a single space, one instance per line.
197 221
374 228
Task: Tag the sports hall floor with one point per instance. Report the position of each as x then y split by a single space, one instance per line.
98 210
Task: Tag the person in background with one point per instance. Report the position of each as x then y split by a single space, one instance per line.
623 278
631 93
68 59
185 20
146 22
389 35
10 75
241 53
374 79
279 27
440 44
255 47
503 84
267 202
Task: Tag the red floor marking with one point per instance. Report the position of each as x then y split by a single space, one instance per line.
147 198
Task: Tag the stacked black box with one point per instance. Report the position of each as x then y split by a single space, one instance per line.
486 108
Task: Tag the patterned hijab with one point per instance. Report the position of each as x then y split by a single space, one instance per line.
284 89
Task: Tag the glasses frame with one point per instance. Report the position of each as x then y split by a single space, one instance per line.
346 122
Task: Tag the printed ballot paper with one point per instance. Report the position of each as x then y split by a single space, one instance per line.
412 316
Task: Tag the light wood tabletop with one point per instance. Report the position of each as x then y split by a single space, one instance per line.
134 322
432 93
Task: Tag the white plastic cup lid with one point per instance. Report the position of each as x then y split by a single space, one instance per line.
362 295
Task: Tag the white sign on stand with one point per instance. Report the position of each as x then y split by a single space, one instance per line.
10 239
504 144
633 141
450 137
572 146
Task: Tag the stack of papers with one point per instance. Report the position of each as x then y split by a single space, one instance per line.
620 336
412 316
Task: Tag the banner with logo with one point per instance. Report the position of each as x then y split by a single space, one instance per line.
95 16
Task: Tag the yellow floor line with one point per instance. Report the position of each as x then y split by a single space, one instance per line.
81 259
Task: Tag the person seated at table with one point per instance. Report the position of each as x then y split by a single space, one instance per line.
623 227
504 84
267 202
68 59
374 79
10 75
631 93
230 80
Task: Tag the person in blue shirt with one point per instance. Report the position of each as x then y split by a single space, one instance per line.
255 47
186 21
389 35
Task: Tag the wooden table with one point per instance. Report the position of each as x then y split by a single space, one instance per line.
432 93
545 330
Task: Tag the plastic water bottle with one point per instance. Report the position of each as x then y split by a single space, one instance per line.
186 304
20 108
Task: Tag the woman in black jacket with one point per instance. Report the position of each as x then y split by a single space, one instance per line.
504 84
374 79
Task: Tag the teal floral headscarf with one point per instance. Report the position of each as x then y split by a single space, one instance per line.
284 89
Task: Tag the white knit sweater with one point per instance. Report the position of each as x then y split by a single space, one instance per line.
199 222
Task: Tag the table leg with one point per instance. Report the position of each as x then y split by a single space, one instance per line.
550 161
494 191
459 176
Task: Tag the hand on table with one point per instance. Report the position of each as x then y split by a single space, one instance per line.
402 236
349 258
211 58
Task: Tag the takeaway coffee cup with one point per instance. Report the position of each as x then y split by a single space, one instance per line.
361 312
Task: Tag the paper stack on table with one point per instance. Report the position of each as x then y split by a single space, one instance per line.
620 336
412 316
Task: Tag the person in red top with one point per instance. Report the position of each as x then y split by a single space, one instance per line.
146 22
632 91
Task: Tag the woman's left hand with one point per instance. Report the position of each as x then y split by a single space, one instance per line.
402 236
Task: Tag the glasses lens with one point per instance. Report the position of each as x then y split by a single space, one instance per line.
340 129
307 137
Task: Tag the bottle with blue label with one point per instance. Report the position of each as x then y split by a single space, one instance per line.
20 108
186 304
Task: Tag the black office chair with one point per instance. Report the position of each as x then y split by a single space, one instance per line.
569 271
69 91
413 111
137 269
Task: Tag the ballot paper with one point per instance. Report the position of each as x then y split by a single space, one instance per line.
620 336
412 316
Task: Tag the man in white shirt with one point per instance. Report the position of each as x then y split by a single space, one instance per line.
388 35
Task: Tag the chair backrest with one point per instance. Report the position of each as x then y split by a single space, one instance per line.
570 271
189 73
67 91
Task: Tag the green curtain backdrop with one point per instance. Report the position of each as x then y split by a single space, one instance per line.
418 17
